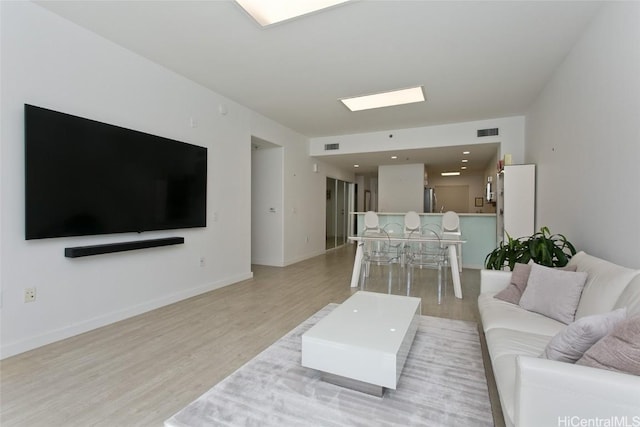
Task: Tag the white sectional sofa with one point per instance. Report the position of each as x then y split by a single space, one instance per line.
538 392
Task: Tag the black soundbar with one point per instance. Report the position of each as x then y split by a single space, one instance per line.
80 251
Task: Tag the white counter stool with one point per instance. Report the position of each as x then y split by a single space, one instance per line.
371 221
411 222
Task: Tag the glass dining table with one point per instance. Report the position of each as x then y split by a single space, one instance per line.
450 243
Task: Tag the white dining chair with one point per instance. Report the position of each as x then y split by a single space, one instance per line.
377 249
425 250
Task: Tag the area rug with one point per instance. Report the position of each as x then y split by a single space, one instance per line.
442 384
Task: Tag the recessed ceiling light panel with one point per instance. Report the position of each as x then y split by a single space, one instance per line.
267 12
385 99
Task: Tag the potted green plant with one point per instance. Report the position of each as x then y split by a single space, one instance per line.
544 248
507 254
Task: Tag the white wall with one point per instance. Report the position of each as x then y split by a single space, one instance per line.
401 188
50 62
583 133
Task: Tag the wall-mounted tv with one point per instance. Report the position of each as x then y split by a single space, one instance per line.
85 177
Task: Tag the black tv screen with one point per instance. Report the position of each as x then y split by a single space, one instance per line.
85 177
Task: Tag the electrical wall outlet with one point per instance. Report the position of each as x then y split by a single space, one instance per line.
29 294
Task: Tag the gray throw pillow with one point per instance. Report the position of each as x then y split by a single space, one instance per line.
519 278
513 292
618 351
553 292
572 342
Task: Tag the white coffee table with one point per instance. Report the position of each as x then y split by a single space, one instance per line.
364 342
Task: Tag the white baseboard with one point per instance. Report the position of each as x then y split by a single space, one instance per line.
267 262
304 257
473 266
31 343
285 263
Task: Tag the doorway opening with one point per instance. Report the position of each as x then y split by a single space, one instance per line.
453 197
340 201
267 246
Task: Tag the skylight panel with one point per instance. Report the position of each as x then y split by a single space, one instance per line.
268 12
385 99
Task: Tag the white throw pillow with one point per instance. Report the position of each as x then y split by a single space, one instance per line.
572 342
553 293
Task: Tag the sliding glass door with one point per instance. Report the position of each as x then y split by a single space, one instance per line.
331 214
337 212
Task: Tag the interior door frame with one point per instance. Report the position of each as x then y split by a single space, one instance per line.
348 193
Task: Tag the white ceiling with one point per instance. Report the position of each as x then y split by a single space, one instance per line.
476 59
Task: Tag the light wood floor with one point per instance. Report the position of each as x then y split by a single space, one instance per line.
140 371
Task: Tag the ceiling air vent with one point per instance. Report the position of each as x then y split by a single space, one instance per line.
328 147
487 132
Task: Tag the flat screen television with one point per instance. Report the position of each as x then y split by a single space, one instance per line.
84 177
